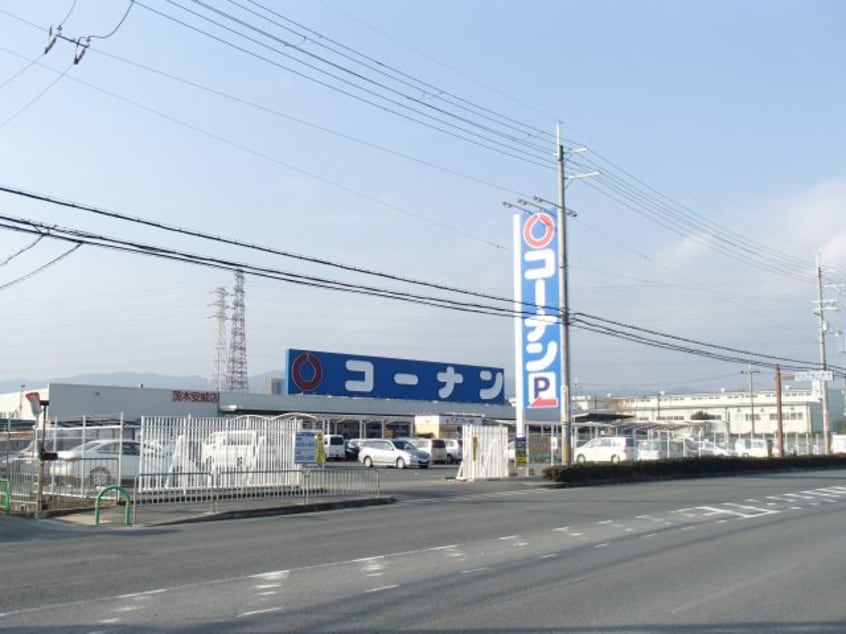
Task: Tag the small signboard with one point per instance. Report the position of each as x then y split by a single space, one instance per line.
308 447
814 375
521 457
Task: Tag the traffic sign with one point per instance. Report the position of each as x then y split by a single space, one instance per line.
814 375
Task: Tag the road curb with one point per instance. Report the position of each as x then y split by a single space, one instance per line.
291 509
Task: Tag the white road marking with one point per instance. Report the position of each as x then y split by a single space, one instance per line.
470 571
383 588
603 545
265 611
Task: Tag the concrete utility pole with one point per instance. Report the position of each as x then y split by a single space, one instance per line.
566 449
779 418
563 212
823 364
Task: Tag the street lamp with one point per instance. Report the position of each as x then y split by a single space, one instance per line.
20 401
658 397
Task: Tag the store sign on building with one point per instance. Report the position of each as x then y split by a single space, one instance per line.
195 397
538 329
334 374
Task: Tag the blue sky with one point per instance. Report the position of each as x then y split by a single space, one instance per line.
733 110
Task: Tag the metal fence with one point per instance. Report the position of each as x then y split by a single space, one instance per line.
210 489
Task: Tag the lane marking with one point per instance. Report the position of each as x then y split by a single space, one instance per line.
382 588
265 611
470 571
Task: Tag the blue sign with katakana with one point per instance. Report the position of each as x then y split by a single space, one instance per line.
334 374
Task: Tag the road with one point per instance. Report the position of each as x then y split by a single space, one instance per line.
750 554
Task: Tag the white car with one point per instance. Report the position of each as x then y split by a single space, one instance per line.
606 449
753 447
392 453
435 447
98 462
454 450
659 449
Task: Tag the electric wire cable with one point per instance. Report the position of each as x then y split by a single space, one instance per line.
274 160
498 147
22 250
35 98
41 268
20 72
382 68
357 75
68 15
78 236
116 27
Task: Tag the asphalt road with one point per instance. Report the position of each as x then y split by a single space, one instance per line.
751 554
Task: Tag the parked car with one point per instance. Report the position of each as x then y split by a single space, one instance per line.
606 449
334 447
230 450
96 462
659 449
454 450
393 453
352 448
753 447
435 447
710 448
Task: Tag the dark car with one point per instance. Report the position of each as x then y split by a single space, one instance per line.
352 448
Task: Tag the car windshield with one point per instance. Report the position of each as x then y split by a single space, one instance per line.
403 444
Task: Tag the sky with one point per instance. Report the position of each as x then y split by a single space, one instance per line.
716 128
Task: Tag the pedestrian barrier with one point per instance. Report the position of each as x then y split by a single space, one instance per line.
123 493
213 487
6 493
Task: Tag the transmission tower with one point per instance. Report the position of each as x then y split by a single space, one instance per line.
220 366
236 378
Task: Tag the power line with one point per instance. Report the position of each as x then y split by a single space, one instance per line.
35 98
22 250
272 159
100 211
41 268
485 142
116 27
607 327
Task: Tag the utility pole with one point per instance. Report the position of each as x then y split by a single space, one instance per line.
820 311
779 418
751 374
563 212
566 449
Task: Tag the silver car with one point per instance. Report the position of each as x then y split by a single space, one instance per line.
392 453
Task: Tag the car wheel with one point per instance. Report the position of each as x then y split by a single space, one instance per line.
615 459
400 463
450 459
580 459
368 462
99 477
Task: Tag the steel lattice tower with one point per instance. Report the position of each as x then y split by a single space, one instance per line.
220 369
236 376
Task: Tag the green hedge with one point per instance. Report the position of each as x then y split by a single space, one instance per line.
598 473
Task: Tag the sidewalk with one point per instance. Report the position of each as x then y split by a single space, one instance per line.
169 514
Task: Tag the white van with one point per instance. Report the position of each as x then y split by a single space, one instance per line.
435 447
606 449
334 447
753 447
